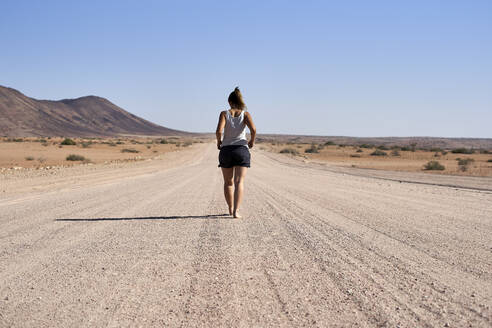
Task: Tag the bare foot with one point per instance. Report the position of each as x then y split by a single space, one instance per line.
237 215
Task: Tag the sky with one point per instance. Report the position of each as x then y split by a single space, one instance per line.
351 68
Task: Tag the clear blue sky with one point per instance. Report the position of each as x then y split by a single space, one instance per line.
357 68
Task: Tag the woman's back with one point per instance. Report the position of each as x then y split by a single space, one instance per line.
234 130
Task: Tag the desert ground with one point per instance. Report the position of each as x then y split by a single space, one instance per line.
455 161
147 244
42 152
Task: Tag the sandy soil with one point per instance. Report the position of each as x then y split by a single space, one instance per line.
406 161
147 244
33 154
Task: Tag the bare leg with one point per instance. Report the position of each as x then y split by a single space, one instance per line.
228 186
239 174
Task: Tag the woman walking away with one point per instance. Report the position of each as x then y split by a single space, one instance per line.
234 156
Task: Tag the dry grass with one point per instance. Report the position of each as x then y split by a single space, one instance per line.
41 152
396 159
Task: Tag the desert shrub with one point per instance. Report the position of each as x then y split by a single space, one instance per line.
29 158
129 150
41 159
383 147
74 157
341 146
354 155
164 141
289 151
489 161
45 144
86 144
40 140
366 146
485 151
329 143
148 146
312 149
187 143
437 155
434 165
395 152
359 151
436 149
119 142
405 148
462 151
14 140
378 152
443 152
68 142
463 163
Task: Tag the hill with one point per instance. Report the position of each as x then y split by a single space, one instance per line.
22 116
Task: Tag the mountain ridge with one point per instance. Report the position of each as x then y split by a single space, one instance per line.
86 116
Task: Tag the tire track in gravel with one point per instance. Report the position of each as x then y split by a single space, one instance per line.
304 211
314 249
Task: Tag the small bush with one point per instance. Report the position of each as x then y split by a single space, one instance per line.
378 152
187 143
366 146
313 149
395 152
465 161
120 142
29 158
289 151
329 143
359 151
489 161
86 144
355 155
129 150
485 151
148 147
68 142
443 152
462 151
73 157
383 147
436 150
405 148
41 159
434 165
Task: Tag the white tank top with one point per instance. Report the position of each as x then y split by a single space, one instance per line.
235 130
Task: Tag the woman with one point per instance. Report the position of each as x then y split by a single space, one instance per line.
234 157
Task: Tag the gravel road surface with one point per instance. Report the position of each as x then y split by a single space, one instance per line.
148 244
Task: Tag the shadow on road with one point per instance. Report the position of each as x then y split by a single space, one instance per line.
174 217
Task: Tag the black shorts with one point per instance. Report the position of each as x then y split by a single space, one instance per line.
234 155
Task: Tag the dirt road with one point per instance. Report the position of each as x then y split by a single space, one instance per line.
147 244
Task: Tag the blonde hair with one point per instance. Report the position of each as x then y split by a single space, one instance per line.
236 99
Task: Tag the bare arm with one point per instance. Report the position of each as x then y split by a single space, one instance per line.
220 128
251 127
